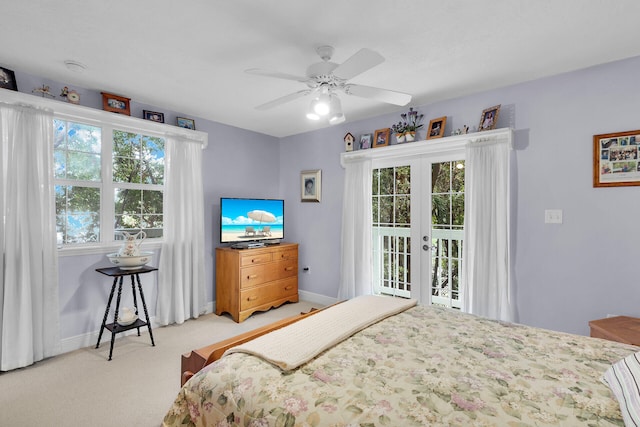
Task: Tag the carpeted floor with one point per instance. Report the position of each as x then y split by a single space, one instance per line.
136 388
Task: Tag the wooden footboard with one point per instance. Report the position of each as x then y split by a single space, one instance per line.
197 359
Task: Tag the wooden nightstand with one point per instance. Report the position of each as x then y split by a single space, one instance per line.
622 329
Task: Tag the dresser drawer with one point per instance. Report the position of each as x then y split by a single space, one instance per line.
260 295
256 275
285 255
256 259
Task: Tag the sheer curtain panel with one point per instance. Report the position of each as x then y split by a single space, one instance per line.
181 293
356 269
486 260
29 314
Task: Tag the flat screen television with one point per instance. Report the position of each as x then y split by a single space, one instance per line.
250 220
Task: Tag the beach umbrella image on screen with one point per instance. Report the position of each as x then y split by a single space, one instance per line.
261 216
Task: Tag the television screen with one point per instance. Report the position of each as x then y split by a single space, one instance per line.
251 219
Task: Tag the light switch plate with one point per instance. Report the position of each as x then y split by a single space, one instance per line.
553 216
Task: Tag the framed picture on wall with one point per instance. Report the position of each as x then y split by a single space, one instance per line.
116 104
8 79
186 123
365 141
154 116
616 160
489 118
436 127
310 185
381 138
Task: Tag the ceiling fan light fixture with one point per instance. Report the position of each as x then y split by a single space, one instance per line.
336 116
311 115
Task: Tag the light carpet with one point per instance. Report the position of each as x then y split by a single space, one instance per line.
136 388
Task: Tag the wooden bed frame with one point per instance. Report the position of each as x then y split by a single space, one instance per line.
197 359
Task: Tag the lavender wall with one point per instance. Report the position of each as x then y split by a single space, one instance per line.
565 274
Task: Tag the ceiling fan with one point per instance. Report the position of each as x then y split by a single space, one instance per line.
324 79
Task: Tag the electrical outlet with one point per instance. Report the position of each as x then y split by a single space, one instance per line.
553 216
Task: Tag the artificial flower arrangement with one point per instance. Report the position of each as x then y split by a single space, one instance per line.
407 127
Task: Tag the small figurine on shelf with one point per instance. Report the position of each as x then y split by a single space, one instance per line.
44 91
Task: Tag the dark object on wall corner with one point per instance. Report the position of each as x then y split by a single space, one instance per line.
8 79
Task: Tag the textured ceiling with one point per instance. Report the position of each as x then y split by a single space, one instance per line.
190 56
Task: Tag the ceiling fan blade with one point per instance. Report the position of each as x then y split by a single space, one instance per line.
276 74
284 99
360 62
383 95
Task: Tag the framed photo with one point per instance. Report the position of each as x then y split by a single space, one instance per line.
489 118
186 123
310 185
436 127
115 103
154 116
381 138
616 161
365 141
8 79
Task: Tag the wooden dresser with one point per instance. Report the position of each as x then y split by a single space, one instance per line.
250 280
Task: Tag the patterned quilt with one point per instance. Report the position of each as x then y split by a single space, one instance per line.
427 366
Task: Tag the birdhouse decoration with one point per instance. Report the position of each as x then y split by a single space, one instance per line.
348 142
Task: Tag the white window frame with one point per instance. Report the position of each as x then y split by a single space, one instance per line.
108 122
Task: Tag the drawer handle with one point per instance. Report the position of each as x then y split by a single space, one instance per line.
252 276
252 298
253 260
288 268
286 288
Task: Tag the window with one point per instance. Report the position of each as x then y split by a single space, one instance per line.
106 180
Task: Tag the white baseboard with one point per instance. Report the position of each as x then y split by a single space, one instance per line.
316 298
89 339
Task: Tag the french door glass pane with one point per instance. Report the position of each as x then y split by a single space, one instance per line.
447 231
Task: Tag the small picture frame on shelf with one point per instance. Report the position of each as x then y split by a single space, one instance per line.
8 79
615 159
489 118
310 185
365 141
116 104
154 116
186 123
381 138
436 127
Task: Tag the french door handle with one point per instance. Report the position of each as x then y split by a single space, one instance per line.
427 246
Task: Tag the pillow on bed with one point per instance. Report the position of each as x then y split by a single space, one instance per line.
623 378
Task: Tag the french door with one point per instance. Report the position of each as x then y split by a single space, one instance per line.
418 227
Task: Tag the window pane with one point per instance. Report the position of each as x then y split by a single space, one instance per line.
77 214
137 210
137 158
77 149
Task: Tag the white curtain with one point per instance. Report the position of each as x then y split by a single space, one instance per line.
486 261
181 292
29 314
356 269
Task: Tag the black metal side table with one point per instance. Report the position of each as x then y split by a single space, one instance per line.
115 327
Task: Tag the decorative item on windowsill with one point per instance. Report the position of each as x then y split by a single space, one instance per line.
43 91
406 128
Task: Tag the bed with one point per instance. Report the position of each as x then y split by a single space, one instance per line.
420 365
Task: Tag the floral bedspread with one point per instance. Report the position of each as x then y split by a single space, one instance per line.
427 366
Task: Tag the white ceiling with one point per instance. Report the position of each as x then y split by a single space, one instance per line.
190 56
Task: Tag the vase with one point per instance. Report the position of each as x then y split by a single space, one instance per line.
400 137
411 136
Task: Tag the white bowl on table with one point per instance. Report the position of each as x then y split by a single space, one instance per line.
130 262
